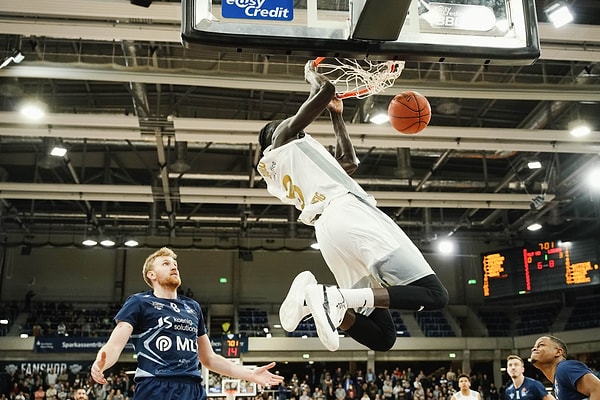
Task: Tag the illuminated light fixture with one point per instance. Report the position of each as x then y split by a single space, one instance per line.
131 242
58 151
24 336
558 13
3 322
472 282
278 326
379 118
306 356
446 247
89 242
222 280
534 164
593 178
33 110
452 355
579 128
107 242
534 227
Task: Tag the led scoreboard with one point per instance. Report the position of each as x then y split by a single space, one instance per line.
543 266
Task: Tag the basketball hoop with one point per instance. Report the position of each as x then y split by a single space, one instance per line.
359 79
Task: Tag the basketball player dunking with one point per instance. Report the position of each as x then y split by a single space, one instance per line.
375 264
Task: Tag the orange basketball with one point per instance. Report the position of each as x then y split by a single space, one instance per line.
409 112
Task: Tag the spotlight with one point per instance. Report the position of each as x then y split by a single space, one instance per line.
534 227
534 164
131 242
58 151
89 242
107 242
33 110
379 118
558 13
579 128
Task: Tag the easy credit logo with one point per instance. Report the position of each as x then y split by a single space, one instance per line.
280 10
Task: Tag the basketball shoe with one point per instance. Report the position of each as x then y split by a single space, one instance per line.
327 306
293 309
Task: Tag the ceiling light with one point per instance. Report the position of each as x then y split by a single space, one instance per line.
89 242
534 164
32 110
379 118
534 227
107 242
579 128
446 247
131 242
3 322
58 151
558 13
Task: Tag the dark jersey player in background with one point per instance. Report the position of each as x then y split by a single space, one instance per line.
572 380
169 335
522 387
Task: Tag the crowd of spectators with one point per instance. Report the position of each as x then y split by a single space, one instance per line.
393 384
396 384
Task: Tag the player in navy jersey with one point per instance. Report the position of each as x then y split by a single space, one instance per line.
572 380
170 339
375 264
522 387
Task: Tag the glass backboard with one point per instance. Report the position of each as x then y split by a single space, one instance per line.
464 31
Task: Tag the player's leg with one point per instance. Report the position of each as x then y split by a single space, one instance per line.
376 331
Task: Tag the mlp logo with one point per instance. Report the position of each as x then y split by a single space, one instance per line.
280 10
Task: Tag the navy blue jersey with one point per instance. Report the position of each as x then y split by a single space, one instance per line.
567 374
529 390
165 334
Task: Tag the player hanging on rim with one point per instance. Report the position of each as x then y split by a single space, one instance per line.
376 266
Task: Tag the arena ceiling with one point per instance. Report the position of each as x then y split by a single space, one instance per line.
161 138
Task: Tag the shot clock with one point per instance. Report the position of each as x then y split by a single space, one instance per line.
540 267
233 345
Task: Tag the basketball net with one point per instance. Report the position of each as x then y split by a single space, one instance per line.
359 79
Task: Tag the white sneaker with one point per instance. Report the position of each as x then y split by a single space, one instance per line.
328 307
293 309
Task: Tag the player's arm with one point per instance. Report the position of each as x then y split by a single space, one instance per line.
110 352
589 385
322 91
223 366
344 150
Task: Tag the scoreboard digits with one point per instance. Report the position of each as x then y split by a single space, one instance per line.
545 266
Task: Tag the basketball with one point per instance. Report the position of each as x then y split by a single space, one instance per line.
409 112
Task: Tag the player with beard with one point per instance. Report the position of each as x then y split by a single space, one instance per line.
522 387
571 379
168 332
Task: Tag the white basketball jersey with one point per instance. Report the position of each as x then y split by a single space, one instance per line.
303 173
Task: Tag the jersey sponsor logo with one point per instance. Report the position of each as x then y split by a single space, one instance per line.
163 343
157 306
186 344
280 10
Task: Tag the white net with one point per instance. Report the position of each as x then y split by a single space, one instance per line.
360 79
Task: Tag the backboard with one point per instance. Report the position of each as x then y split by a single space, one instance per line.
456 31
